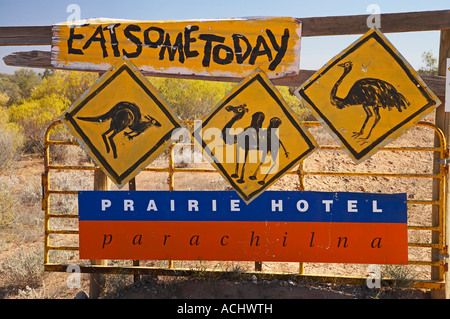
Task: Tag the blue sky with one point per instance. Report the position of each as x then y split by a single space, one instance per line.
315 51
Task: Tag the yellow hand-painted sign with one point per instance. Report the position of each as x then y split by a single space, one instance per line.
367 96
122 122
230 48
252 137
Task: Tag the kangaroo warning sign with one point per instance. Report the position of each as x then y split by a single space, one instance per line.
122 122
367 96
230 47
252 137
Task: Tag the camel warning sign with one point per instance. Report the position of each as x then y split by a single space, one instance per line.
252 137
122 122
367 96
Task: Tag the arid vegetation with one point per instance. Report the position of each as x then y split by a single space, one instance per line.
30 101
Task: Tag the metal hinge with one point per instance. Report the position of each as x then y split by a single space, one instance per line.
444 161
445 253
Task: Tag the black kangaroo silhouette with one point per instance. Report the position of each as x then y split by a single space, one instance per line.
122 115
369 93
274 123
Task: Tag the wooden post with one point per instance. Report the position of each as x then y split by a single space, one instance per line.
132 187
444 54
97 281
443 122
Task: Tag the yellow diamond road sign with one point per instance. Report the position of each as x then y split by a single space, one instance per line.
252 137
367 96
122 122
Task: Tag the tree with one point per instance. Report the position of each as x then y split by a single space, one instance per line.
430 67
11 141
45 102
194 99
19 86
34 116
191 99
67 84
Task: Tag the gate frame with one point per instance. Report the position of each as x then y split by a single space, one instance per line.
101 267
315 26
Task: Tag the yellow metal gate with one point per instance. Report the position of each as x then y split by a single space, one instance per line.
427 250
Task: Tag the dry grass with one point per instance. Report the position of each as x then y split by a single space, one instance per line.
21 237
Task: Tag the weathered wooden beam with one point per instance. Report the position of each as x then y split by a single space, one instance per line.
39 35
29 59
315 26
42 59
390 22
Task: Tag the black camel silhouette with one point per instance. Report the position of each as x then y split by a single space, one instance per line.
369 93
275 122
122 115
250 137
239 112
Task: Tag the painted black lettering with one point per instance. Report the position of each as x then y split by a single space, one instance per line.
284 240
376 242
97 37
107 239
158 42
127 32
312 239
256 52
254 238
221 241
240 57
216 54
195 241
188 40
209 38
137 240
73 36
172 49
281 49
112 33
340 240
165 239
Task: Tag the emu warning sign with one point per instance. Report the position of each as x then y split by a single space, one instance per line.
252 137
122 122
367 96
230 47
217 225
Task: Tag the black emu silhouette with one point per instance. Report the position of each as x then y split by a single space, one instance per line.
369 93
122 115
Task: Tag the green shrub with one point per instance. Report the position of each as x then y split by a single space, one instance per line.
24 268
8 206
11 141
191 99
35 115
